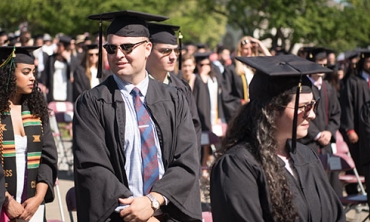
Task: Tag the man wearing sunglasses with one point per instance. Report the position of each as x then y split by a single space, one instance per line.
161 64
134 141
322 130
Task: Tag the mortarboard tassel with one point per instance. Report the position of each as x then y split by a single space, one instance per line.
10 60
11 56
295 118
100 63
180 46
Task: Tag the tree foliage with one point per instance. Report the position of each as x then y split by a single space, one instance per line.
70 16
340 26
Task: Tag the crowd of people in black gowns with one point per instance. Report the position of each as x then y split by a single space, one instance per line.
234 113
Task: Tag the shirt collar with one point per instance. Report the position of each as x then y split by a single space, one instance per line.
167 79
127 87
315 82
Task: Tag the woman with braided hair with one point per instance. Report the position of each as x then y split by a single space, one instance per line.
28 152
263 174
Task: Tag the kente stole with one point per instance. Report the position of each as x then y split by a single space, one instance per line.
34 132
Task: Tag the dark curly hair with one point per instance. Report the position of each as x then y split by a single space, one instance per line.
35 100
254 126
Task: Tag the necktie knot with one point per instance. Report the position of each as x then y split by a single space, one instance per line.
135 91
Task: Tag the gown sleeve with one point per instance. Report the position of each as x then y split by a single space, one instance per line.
47 172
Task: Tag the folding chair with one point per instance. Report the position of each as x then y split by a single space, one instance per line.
71 202
357 202
62 113
57 191
341 160
59 200
207 216
209 138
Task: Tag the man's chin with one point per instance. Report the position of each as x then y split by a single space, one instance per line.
171 67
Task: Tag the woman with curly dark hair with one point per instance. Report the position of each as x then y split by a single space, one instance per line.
262 173
27 148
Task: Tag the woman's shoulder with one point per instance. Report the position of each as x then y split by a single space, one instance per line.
238 155
235 165
304 154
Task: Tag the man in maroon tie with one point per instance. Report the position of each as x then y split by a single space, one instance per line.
322 130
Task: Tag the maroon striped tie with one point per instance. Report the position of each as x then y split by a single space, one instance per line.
148 148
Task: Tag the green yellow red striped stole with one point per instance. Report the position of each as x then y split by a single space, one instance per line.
33 160
34 131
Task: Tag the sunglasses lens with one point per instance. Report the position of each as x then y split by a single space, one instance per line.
127 48
308 108
165 52
111 49
168 51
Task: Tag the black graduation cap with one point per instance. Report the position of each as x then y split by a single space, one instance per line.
126 23
201 45
364 53
19 54
278 74
163 33
65 39
91 46
199 56
317 53
352 54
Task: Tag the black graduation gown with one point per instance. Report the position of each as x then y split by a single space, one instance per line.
365 141
47 79
327 118
81 83
99 160
203 102
183 86
365 125
354 95
239 189
233 92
